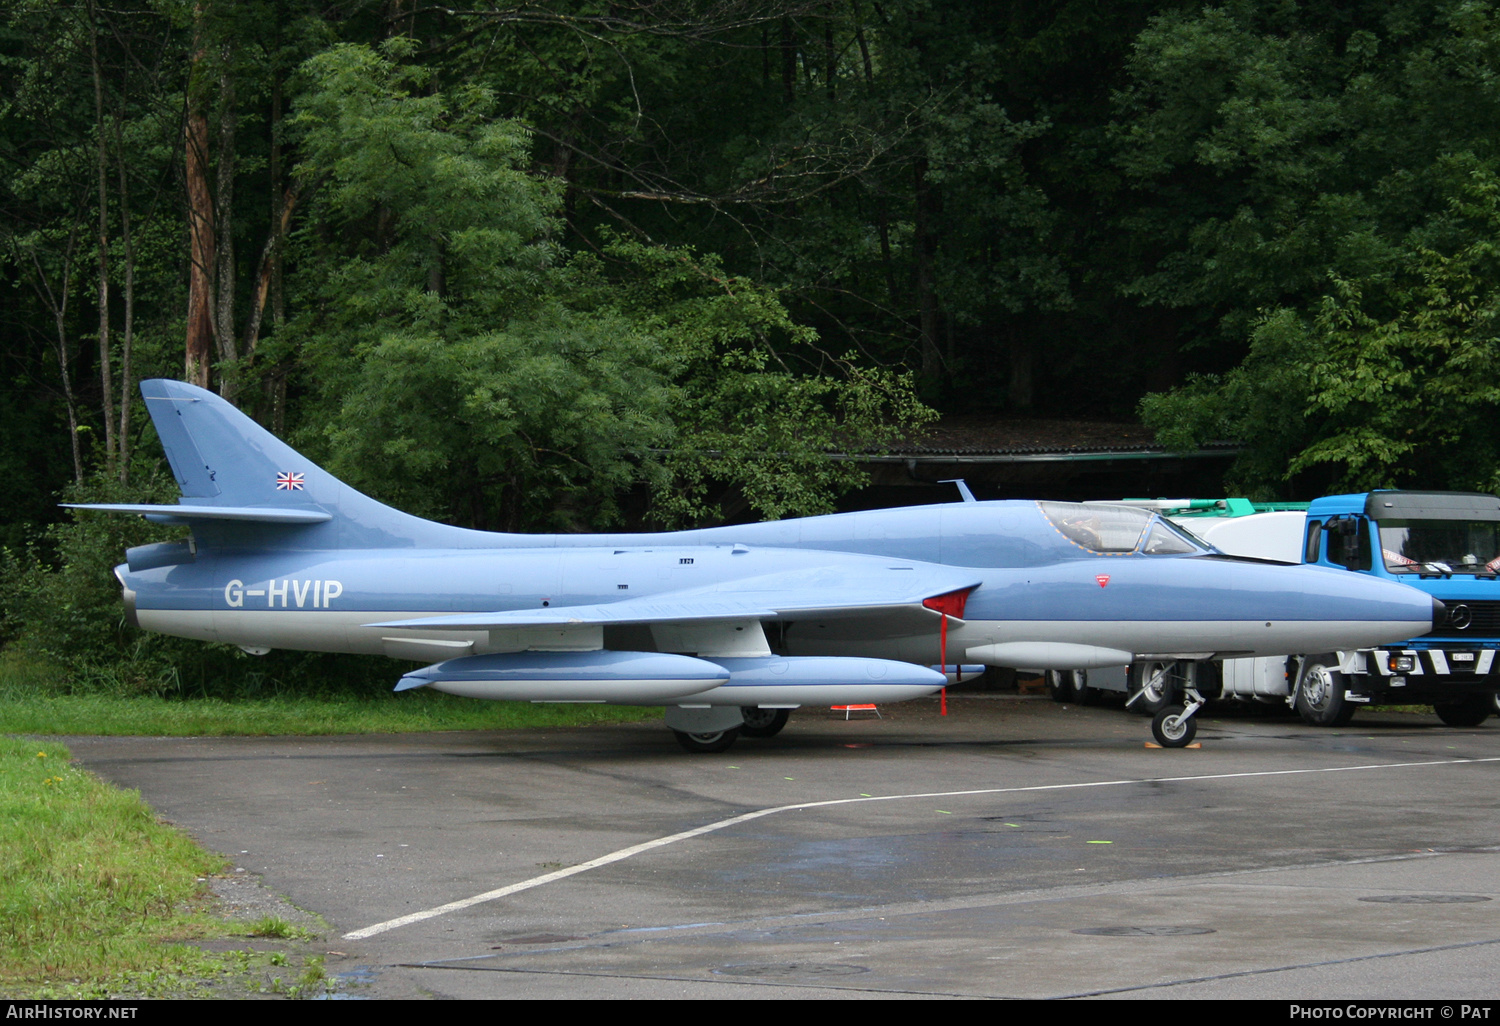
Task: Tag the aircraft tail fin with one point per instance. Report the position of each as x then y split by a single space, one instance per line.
220 457
239 481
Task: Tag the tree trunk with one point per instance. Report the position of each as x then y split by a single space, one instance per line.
788 61
58 304
830 59
200 218
224 276
281 207
1021 393
268 278
864 46
106 359
924 246
127 343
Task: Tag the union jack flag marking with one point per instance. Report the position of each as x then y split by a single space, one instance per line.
289 482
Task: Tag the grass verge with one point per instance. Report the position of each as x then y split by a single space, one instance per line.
39 698
22 713
97 898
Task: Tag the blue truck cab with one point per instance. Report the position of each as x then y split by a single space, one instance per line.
1444 543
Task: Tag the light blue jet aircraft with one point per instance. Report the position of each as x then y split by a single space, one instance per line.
726 627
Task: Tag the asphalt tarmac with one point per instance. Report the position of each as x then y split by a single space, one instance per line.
1015 848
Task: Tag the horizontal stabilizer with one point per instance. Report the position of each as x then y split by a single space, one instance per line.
180 514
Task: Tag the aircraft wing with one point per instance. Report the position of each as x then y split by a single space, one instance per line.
824 592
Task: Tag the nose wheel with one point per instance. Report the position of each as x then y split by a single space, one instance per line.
1174 727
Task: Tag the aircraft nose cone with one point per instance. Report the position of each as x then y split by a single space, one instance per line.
1439 614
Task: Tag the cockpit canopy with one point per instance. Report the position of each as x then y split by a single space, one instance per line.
1119 530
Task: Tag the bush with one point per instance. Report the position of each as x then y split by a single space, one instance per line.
63 622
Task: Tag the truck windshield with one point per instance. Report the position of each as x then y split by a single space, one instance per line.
1440 546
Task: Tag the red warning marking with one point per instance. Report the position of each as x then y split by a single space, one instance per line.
950 604
1103 579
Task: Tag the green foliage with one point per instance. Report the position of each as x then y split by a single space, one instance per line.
1408 376
1391 380
1264 399
1320 180
59 595
467 370
444 229
91 885
542 425
743 414
274 926
29 705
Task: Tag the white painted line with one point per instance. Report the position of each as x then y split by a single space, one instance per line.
537 881
636 849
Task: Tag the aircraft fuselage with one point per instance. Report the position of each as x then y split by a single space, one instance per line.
325 599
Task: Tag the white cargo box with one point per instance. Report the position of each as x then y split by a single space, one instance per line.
1260 535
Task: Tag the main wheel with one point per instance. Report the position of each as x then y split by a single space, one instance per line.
764 722
1172 729
1157 685
707 744
1471 712
1320 693
1060 685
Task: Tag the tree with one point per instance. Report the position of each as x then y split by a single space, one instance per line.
1390 381
464 361
1317 181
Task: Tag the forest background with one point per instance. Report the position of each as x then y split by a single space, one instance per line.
568 265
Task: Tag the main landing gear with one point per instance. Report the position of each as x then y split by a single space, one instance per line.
763 722
707 743
707 731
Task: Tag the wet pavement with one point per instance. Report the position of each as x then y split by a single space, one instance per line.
1015 848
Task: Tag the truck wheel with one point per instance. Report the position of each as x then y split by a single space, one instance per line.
1071 686
1320 693
1060 685
1471 712
1082 693
1157 683
1171 729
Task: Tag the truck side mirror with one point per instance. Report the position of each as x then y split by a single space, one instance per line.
1352 548
1314 541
